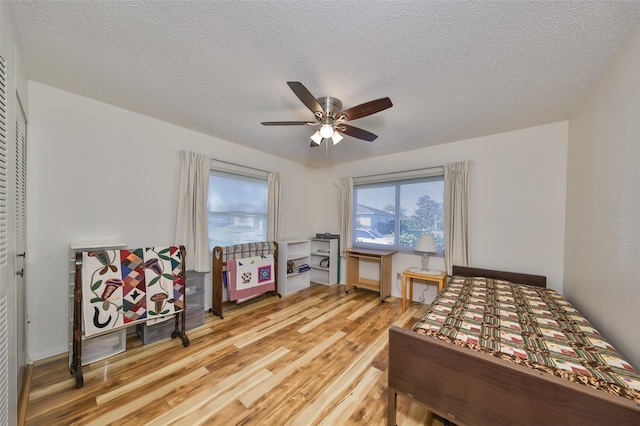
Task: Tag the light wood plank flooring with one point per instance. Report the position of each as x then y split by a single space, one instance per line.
317 357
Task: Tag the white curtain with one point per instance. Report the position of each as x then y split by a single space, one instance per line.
456 226
274 207
345 210
191 227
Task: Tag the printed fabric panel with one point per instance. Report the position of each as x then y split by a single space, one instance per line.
250 276
531 326
123 287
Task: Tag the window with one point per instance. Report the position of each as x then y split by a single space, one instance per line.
395 213
236 209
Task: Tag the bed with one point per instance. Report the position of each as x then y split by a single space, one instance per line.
454 379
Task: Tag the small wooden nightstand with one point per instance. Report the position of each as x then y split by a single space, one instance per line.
416 273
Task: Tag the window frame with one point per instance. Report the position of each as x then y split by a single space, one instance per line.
396 180
244 173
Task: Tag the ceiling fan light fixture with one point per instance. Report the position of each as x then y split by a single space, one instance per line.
336 138
316 138
326 131
330 117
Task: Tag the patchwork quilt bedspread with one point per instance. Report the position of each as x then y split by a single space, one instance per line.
531 326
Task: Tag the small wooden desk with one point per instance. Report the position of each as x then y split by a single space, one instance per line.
383 257
412 273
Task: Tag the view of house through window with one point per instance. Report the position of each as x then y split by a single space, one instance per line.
236 209
395 214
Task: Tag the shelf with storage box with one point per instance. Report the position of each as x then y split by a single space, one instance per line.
294 270
194 311
194 295
324 261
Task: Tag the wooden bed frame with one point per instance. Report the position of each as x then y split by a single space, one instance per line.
472 388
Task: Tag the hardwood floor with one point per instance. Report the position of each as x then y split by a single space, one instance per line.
317 357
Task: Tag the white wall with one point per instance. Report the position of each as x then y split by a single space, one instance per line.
602 255
97 172
517 205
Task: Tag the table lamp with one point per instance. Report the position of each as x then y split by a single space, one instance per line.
426 245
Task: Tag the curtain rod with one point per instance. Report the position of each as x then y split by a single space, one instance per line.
240 165
434 168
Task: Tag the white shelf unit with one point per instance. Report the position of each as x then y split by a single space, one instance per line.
322 249
94 348
298 252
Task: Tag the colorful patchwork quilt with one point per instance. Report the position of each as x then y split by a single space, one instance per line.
250 276
122 287
531 326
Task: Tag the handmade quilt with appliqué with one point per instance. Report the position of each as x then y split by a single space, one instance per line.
250 276
531 326
122 287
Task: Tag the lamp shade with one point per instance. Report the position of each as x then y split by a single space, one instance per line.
316 138
426 244
336 138
326 131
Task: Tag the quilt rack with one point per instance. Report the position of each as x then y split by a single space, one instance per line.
115 273
221 255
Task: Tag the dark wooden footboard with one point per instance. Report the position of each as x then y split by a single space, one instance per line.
472 388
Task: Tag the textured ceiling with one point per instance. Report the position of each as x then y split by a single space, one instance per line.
453 69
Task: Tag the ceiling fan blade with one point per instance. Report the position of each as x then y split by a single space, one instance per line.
365 109
285 123
306 97
357 132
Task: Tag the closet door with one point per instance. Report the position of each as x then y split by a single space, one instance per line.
5 280
21 236
13 354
